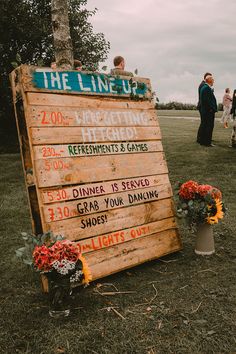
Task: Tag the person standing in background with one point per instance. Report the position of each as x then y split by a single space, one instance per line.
227 103
233 112
119 69
199 133
208 108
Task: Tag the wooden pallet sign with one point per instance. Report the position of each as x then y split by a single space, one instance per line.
94 165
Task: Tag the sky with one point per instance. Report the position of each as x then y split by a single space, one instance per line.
172 42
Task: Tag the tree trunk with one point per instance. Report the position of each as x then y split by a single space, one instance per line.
61 35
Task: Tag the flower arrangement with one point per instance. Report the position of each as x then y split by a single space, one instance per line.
54 256
61 258
200 203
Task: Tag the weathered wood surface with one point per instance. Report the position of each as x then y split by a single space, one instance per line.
70 135
54 172
83 83
96 189
98 174
73 150
51 116
112 220
66 210
125 255
121 236
66 102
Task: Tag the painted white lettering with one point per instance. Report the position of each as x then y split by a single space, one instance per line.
111 85
82 85
102 84
45 80
65 81
130 132
126 86
55 80
93 83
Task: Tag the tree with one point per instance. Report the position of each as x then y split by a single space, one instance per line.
61 34
26 37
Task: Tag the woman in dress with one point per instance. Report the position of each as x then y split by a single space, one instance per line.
233 112
227 104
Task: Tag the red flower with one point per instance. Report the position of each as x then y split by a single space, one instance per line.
204 189
188 190
45 256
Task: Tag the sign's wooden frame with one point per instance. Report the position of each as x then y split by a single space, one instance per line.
94 165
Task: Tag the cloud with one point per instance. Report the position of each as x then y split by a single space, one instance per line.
172 42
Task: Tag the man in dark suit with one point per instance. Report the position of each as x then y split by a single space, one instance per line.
199 133
208 108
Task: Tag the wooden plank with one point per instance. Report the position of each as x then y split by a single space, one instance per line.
71 209
51 116
96 189
113 220
70 135
129 254
83 83
54 172
73 150
75 102
114 238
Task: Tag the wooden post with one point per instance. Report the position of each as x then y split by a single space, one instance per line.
61 34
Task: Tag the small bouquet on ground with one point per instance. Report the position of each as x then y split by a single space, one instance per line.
200 204
55 257
61 262
61 259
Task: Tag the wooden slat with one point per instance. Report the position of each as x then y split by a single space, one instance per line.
99 168
82 83
125 255
95 189
73 150
51 116
66 210
70 135
114 238
117 219
59 100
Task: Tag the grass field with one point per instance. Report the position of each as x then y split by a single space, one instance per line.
181 303
183 113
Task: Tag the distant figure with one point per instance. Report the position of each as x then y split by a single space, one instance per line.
233 112
77 65
199 133
227 103
119 69
208 108
233 108
53 65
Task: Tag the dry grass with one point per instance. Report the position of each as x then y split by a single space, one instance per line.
182 303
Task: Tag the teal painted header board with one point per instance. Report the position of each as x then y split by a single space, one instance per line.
87 83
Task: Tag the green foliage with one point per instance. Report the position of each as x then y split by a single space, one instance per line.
26 37
31 241
176 106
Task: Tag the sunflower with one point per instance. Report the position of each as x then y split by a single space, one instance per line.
219 214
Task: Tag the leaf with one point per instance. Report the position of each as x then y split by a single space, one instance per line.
136 71
18 58
28 262
20 251
14 64
40 62
104 68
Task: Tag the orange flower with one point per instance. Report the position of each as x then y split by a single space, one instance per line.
188 190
